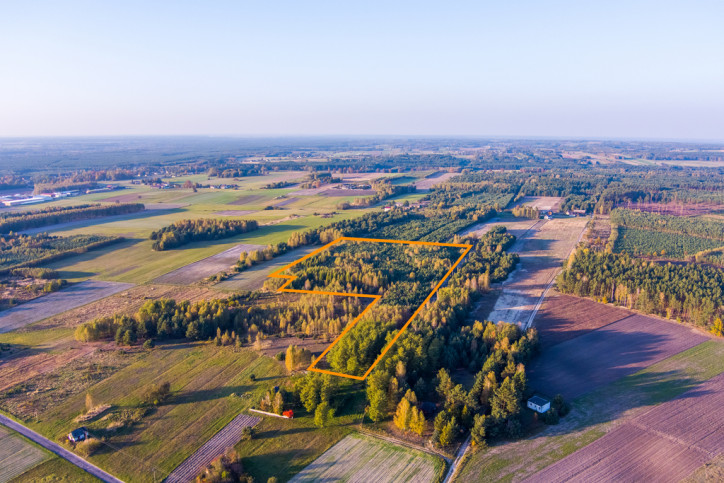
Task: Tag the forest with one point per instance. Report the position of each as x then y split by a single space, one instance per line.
187 231
15 221
691 293
693 226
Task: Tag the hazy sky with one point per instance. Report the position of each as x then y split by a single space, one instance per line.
580 68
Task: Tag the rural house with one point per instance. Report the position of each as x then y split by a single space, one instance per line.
538 404
78 435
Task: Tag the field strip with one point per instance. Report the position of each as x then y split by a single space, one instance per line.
58 302
206 267
17 455
376 298
359 458
664 444
59 450
212 449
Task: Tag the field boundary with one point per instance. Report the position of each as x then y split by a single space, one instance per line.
376 298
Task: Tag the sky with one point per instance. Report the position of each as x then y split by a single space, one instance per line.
579 69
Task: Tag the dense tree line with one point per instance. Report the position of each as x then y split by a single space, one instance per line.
692 293
187 231
17 251
25 220
526 212
240 317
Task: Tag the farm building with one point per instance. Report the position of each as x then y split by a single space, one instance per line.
77 435
538 404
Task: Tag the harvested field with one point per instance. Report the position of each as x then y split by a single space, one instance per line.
542 251
253 278
517 227
564 317
58 302
542 203
215 447
17 455
235 212
579 365
343 192
274 345
248 199
665 444
678 209
286 201
197 271
427 183
359 458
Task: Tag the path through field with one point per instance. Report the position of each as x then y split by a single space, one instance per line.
59 450
665 444
542 248
197 271
57 302
359 458
212 449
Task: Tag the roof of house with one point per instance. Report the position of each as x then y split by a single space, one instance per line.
538 401
77 433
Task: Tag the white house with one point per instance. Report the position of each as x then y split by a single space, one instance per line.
537 403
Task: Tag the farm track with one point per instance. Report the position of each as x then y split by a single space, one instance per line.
55 303
212 449
59 450
664 444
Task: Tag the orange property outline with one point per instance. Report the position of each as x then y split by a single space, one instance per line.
290 278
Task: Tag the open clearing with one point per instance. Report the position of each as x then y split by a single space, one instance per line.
17 455
597 413
564 317
542 203
197 271
427 183
57 302
542 251
359 458
665 444
604 355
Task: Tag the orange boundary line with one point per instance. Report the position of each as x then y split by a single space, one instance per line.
290 278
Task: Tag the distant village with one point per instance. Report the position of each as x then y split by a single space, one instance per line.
22 200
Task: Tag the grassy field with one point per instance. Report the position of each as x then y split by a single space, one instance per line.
209 385
594 414
55 470
362 458
284 447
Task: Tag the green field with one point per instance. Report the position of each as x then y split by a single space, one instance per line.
670 245
592 415
209 385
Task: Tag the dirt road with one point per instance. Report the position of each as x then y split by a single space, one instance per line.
59 450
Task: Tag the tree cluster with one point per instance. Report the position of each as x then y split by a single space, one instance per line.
187 231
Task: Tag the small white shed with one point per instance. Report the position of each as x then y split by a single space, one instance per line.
538 404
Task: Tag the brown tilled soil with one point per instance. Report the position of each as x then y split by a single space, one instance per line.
564 317
601 356
665 444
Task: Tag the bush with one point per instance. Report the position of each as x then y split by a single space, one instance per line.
149 344
155 394
88 447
